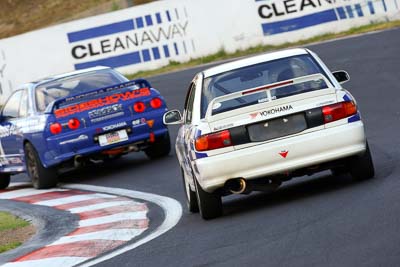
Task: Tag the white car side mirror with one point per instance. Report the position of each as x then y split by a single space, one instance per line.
341 76
172 117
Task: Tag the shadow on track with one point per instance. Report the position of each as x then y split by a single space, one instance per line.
303 188
291 192
112 169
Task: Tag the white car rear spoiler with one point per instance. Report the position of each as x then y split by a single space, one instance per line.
246 92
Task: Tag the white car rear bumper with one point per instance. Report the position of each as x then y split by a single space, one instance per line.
262 160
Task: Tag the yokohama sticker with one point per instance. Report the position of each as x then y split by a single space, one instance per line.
271 111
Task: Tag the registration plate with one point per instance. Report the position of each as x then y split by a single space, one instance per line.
113 138
276 128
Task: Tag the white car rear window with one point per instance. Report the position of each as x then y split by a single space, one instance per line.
259 75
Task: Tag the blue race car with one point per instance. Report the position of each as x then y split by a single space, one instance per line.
68 120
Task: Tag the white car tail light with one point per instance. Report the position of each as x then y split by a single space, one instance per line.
213 141
339 111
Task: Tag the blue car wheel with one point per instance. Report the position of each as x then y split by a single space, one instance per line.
160 148
4 180
42 177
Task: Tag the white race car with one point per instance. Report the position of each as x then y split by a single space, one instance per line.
251 124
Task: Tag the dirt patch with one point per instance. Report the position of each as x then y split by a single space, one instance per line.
19 235
19 16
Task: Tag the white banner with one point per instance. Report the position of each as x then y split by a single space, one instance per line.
150 36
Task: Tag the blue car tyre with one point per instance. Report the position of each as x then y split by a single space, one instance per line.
160 148
41 177
4 180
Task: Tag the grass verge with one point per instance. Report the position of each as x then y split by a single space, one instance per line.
9 223
222 55
9 246
20 16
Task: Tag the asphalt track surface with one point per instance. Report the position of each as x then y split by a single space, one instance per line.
320 220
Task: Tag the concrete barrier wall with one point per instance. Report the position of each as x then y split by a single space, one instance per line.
152 35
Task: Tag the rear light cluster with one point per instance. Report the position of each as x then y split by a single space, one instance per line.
339 111
156 103
56 127
223 139
213 141
74 124
140 107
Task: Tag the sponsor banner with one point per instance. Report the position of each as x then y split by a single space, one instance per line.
143 38
152 35
290 15
292 20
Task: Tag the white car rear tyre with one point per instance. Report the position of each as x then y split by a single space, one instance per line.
210 204
362 167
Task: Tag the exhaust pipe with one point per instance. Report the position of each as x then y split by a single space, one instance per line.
241 186
78 161
236 186
133 148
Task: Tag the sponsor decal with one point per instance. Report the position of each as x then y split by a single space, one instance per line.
139 121
105 101
10 161
3 161
114 126
253 115
221 127
15 161
8 130
105 111
262 100
82 137
31 126
284 153
133 84
107 117
271 111
324 103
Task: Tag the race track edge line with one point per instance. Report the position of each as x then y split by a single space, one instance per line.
171 207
